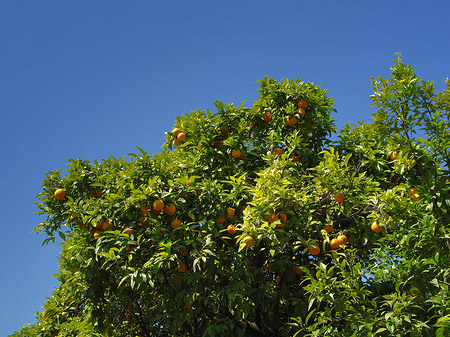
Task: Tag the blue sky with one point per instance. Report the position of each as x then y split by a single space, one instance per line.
98 78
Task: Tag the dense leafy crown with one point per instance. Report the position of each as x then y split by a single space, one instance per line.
266 226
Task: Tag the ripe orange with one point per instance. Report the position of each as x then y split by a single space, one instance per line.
301 112
267 116
236 153
335 243
269 266
181 137
176 142
107 225
231 229
183 251
74 217
415 192
190 182
278 151
248 240
339 197
328 228
295 158
64 314
342 239
273 218
60 194
314 250
169 209
158 205
230 212
97 234
291 120
176 131
175 223
278 280
96 193
299 271
128 230
393 155
221 219
303 103
376 227
283 217
144 209
182 268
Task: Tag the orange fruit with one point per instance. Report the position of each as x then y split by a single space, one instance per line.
182 268
273 218
283 217
181 137
183 251
60 194
335 243
393 155
158 205
415 192
248 240
299 271
314 250
291 120
144 209
189 306
97 234
303 103
74 217
301 112
128 230
267 116
128 308
230 212
231 229
295 158
169 209
278 280
107 225
175 223
376 227
96 193
342 239
221 219
236 153
339 197
269 265
176 131
278 151
176 142
328 228
190 182
64 314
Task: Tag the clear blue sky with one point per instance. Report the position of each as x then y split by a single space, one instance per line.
98 78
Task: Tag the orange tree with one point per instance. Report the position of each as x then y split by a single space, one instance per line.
253 222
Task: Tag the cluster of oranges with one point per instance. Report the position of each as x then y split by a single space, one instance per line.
180 136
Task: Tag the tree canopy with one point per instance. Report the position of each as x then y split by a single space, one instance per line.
262 221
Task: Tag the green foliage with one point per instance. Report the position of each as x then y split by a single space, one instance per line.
127 270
